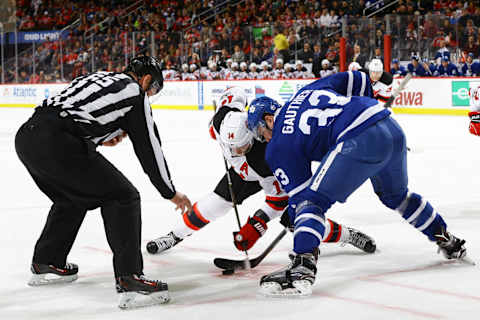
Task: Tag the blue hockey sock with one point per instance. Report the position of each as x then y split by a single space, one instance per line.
420 214
309 227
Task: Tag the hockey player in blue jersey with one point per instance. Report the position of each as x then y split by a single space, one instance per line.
471 68
355 139
446 69
416 68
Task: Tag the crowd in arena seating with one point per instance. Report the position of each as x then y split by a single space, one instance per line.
266 39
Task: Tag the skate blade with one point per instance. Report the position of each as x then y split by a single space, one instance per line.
466 260
50 278
133 300
301 288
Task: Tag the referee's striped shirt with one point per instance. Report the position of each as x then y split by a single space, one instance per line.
102 105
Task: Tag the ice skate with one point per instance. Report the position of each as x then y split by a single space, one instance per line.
452 247
295 280
44 274
361 241
163 243
137 291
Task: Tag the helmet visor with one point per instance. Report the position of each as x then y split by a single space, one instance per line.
154 88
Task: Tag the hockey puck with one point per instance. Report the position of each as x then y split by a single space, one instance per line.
228 272
152 247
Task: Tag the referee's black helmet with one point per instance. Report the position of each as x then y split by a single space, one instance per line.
143 65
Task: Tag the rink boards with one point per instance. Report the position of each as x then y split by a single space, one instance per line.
448 96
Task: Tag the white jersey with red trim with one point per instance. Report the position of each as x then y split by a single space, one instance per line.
299 74
264 75
278 74
170 74
252 167
212 75
381 91
242 75
253 75
326 72
188 76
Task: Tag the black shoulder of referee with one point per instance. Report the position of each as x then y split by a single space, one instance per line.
220 115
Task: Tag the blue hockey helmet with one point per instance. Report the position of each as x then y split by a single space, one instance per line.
256 114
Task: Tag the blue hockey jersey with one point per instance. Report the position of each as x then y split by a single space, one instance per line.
471 69
312 123
350 83
450 71
419 71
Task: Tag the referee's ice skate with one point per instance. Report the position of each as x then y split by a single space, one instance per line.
294 280
49 274
137 291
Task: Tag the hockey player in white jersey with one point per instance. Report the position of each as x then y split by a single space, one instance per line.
265 73
250 174
381 81
234 72
253 74
299 72
474 113
170 74
288 68
326 70
243 73
185 74
278 72
212 73
226 71
195 74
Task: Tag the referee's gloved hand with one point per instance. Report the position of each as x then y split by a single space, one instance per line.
114 141
182 202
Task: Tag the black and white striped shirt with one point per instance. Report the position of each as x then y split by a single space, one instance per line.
104 104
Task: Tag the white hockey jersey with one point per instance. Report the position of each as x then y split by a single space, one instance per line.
252 167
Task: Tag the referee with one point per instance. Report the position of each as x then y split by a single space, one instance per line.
58 144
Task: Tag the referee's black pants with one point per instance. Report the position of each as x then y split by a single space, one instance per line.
77 178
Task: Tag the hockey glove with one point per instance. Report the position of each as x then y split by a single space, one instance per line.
250 233
285 221
474 126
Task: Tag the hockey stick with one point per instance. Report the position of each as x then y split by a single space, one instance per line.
229 264
238 237
397 91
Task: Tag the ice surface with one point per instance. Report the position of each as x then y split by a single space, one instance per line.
405 279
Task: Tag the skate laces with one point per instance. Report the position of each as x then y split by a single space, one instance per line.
69 266
356 239
449 245
167 241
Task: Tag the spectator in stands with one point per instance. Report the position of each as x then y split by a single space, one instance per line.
238 55
446 69
470 68
378 54
471 46
397 69
256 56
306 55
317 59
281 43
357 56
415 68
442 52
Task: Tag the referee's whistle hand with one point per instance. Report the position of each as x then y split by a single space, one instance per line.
114 141
182 202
